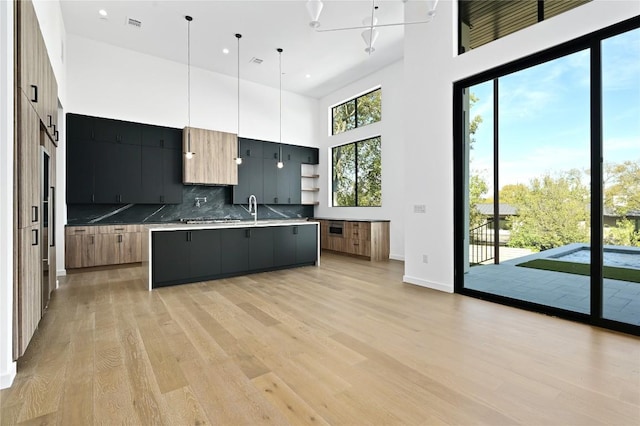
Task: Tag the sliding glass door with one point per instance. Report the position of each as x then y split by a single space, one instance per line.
538 215
621 176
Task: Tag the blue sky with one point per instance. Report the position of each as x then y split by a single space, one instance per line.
544 114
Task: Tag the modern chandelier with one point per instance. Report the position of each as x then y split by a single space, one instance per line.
369 23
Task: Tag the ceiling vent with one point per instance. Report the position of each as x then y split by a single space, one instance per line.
255 60
134 23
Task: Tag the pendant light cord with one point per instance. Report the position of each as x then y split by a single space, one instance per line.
238 36
189 19
280 61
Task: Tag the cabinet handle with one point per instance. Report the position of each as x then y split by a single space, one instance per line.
35 93
189 236
289 200
57 135
119 198
247 233
161 143
34 237
295 230
356 244
34 213
80 230
50 120
119 238
275 200
93 198
248 153
275 155
162 198
92 239
119 229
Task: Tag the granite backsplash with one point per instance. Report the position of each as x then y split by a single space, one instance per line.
218 206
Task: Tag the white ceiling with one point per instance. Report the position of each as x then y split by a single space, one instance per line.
332 59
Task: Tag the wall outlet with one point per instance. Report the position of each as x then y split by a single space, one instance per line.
419 208
425 258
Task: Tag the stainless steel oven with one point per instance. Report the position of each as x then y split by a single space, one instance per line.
336 229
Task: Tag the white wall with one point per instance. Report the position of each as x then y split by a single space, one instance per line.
113 82
7 366
431 68
53 31
390 128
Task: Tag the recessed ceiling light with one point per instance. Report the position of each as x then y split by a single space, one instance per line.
225 51
102 13
307 76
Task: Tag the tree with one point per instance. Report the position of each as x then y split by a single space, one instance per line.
513 193
477 188
623 234
552 213
622 187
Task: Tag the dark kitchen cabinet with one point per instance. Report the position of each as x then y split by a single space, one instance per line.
117 173
270 184
306 244
260 248
183 256
170 257
117 131
152 172
189 256
204 251
295 245
80 155
251 148
250 181
270 181
234 257
119 162
80 127
306 155
284 252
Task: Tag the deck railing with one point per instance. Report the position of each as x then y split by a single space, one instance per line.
481 245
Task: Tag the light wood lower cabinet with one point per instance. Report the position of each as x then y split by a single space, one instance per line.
368 239
88 246
29 297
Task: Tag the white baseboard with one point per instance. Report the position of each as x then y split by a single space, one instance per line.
396 257
61 272
428 284
6 379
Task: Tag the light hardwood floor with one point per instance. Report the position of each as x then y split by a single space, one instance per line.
345 344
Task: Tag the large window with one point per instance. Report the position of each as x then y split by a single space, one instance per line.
356 112
357 174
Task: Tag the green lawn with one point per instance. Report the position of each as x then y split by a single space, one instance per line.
622 274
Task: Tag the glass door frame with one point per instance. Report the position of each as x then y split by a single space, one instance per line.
593 42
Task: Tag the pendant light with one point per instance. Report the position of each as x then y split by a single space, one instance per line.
189 154
280 163
238 157
314 7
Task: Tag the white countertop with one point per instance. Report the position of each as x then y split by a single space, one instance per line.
221 225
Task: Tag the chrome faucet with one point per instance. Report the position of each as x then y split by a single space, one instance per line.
253 211
198 199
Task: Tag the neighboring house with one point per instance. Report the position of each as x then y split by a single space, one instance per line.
504 211
611 218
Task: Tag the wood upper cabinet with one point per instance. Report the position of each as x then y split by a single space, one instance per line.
214 159
35 76
28 165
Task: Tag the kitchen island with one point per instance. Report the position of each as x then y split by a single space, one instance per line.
187 253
